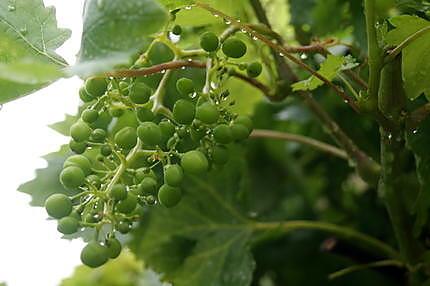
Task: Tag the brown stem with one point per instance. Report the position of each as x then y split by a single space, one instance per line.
417 116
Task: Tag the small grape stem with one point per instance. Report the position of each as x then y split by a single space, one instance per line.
327 148
376 264
207 86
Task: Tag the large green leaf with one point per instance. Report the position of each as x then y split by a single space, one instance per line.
28 39
116 30
204 240
415 56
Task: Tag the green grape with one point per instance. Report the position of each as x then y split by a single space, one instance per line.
127 205
185 86
58 206
145 114
173 175
80 131
194 162
220 155
150 133
94 254
114 247
139 93
89 115
77 147
68 225
72 177
116 111
106 150
254 69
118 192
169 196
148 186
197 134
124 88
184 111
222 134
94 180
207 113
239 131
177 30
84 95
75 214
234 48
143 173
167 128
96 86
209 42
79 161
98 135
126 138
123 227
244 120
102 121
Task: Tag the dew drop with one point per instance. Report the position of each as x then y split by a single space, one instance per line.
193 95
303 56
183 68
255 38
238 20
215 15
346 101
243 30
11 8
163 71
281 54
228 22
415 131
190 60
188 8
390 136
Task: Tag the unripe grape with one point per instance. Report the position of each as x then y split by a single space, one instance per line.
98 135
185 86
220 155
123 227
234 48
150 133
197 135
173 175
254 69
239 131
139 93
79 161
209 42
143 173
124 87
116 111
167 128
194 162
126 138
148 186
89 115
77 147
244 120
145 114
106 150
94 255
222 134
114 247
72 177
68 225
58 206
184 111
84 95
207 113
169 196
177 30
118 192
80 131
96 86
127 205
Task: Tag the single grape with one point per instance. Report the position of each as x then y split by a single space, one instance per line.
167 128
77 147
80 131
143 173
95 181
89 115
123 227
116 111
72 177
68 225
239 131
220 155
79 161
254 69
118 192
244 120
209 42
96 86
169 196
222 134
98 135
127 205
185 86
145 114
84 95
58 206
184 111
177 30
94 255
173 175
197 134
105 150
234 48
75 214
207 113
139 93
114 247
194 162
126 138
150 133
148 186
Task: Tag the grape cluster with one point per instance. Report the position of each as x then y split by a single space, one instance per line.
116 172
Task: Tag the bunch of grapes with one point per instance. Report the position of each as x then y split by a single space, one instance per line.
115 173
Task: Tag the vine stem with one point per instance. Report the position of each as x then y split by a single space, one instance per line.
376 264
282 52
327 148
360 239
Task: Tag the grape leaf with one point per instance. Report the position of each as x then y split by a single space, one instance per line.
415 56
28 39
204 240
114 31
